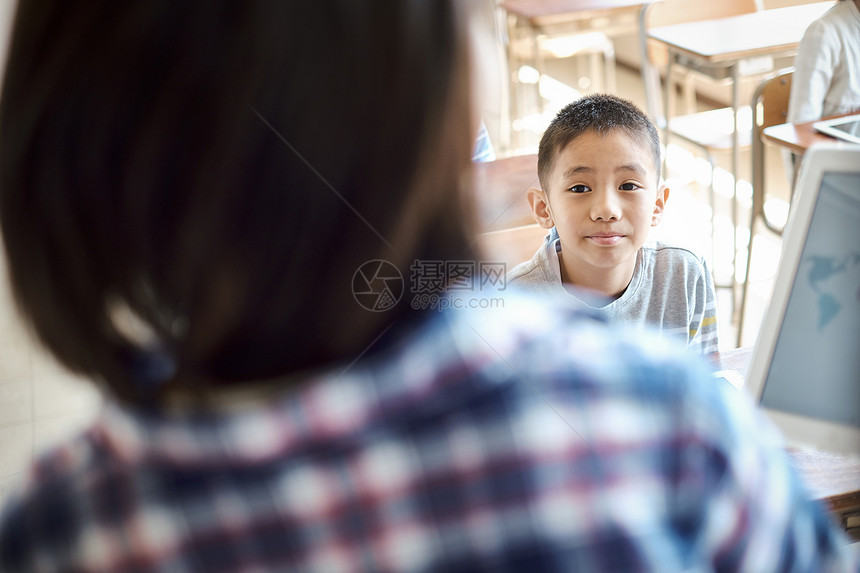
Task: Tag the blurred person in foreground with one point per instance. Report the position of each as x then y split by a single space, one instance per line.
189 195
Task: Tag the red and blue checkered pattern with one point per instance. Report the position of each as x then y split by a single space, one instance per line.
533 438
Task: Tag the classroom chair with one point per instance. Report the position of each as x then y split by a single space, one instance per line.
769 107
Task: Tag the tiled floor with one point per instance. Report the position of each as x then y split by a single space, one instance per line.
687 221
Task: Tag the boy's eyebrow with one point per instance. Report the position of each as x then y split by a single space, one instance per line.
578 169
634 167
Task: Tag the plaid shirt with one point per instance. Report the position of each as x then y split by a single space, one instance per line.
529 439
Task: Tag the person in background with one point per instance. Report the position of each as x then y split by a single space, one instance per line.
190 196
601 192
826 78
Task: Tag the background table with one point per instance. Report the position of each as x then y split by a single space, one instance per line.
537 15
796 137
723 48
722 42
719 48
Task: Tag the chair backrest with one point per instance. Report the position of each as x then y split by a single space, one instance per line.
771 100
668 12
769 107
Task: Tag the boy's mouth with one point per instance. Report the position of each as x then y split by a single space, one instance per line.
605 239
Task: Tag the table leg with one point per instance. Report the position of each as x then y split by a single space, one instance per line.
650 76
667 104
514 101
539 65
736 161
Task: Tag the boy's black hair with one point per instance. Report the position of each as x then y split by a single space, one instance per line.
218 171
601 113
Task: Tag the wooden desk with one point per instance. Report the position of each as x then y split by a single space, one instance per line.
831 478
538 15
796 137
501 187
716 45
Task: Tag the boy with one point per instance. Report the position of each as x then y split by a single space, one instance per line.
599 169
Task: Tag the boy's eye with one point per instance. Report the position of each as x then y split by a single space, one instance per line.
628 187
579 189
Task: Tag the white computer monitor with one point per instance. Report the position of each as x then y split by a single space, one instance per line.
805 367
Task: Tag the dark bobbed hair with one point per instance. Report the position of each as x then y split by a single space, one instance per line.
601 113
199 181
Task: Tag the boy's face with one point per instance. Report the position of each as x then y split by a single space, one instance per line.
603 198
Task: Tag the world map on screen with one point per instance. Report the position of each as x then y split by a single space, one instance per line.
816 364
823 271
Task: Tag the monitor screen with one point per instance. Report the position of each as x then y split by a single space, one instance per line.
815 367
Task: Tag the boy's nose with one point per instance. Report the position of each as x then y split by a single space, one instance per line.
605 207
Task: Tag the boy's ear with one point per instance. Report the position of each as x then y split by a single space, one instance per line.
540 208
659 205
